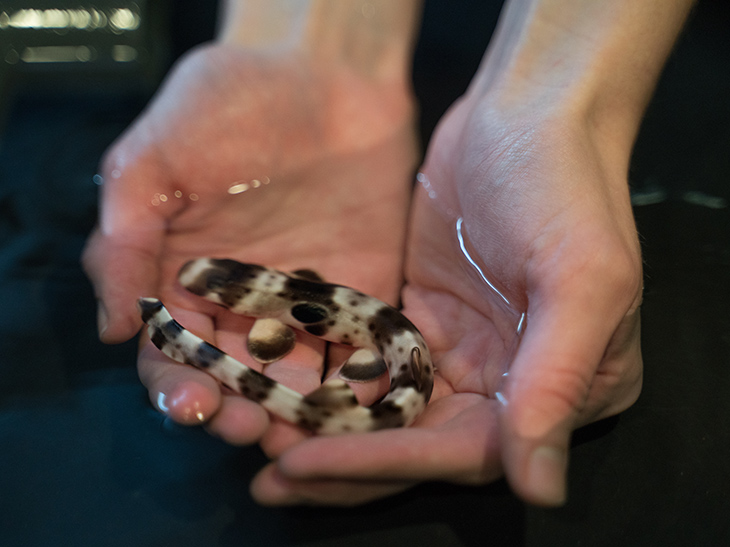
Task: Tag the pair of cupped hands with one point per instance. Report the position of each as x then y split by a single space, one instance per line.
321 163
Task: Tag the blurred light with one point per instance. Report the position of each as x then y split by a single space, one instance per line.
240 187
80 19
124 54
123 19
158 199
57 54
118 20
12 57
705 200
162 403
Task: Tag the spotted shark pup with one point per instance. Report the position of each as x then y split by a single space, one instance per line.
385 338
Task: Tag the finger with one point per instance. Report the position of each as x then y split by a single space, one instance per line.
456 440
270 487
120 274
231 417
368 391
300 370
297 371
238 421
122 256
547 389
618 383
187 395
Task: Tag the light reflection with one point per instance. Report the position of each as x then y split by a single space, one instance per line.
441 205
57 54
117 20
123 19
60 21
159 198
240 187
521 324
124 54
12 57
420 177
161 402
465 252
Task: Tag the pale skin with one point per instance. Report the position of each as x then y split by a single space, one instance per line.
534 160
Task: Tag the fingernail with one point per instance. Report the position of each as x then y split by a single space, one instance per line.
184 408
102 319
547 475
271 488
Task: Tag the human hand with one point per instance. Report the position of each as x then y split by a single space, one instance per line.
545 213
262 158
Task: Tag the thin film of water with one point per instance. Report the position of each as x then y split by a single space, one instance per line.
519 318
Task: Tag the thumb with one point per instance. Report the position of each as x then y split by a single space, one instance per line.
122 256
546 389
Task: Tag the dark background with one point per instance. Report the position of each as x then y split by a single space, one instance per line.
85 460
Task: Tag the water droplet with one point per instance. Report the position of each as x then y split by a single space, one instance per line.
238 188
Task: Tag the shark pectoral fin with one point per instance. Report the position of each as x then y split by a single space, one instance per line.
363 365
269 340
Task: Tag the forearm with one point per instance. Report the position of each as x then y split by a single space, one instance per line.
595 60
374 37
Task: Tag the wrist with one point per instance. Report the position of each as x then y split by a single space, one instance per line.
595 63
374 38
